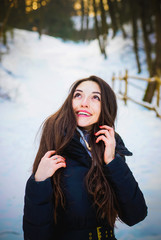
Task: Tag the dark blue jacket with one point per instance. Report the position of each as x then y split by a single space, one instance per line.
38 222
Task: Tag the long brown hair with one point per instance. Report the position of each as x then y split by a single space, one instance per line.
59 129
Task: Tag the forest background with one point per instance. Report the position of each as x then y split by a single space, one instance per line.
54 17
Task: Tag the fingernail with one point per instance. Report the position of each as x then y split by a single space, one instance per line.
95 133
100 126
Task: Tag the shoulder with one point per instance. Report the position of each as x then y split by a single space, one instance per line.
120 146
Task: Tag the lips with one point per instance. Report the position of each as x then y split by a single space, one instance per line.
83 113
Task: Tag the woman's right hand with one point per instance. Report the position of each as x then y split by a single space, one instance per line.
48 166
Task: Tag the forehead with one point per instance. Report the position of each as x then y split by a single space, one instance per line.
89 87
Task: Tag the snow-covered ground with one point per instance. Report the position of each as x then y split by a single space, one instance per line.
40 74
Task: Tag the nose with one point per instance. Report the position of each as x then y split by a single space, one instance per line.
85 102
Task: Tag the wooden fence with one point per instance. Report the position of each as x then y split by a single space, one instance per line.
124 96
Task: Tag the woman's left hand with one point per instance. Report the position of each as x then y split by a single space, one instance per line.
108 137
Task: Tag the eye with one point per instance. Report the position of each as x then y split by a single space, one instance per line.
77 95
96 97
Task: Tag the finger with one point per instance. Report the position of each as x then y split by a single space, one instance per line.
110 129
106 126
105 132
55 157
60 165
102 138
49 153
59 160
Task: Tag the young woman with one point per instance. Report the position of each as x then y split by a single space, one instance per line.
80 182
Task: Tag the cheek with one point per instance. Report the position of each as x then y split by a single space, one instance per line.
98 110
99 113
73 104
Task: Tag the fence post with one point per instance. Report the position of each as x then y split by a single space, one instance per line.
126 83
120 82
158 80
113 79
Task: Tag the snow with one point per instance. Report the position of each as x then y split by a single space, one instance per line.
36 76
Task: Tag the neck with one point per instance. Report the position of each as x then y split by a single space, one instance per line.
87 129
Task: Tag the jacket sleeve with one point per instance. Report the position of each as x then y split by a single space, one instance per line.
38 216
132 205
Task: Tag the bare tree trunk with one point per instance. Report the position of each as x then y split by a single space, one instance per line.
2 12
120 11
147 44
21 11
86 20
112 12
157 64
82 15
135 32
96 22
8 8
103 18
104 27
149 93
150 11
101 45
41 20
157 9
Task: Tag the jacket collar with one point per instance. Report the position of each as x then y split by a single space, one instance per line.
79 153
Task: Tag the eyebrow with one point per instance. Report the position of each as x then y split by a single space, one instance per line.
82 91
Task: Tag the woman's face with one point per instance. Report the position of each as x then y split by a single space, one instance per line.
87 104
